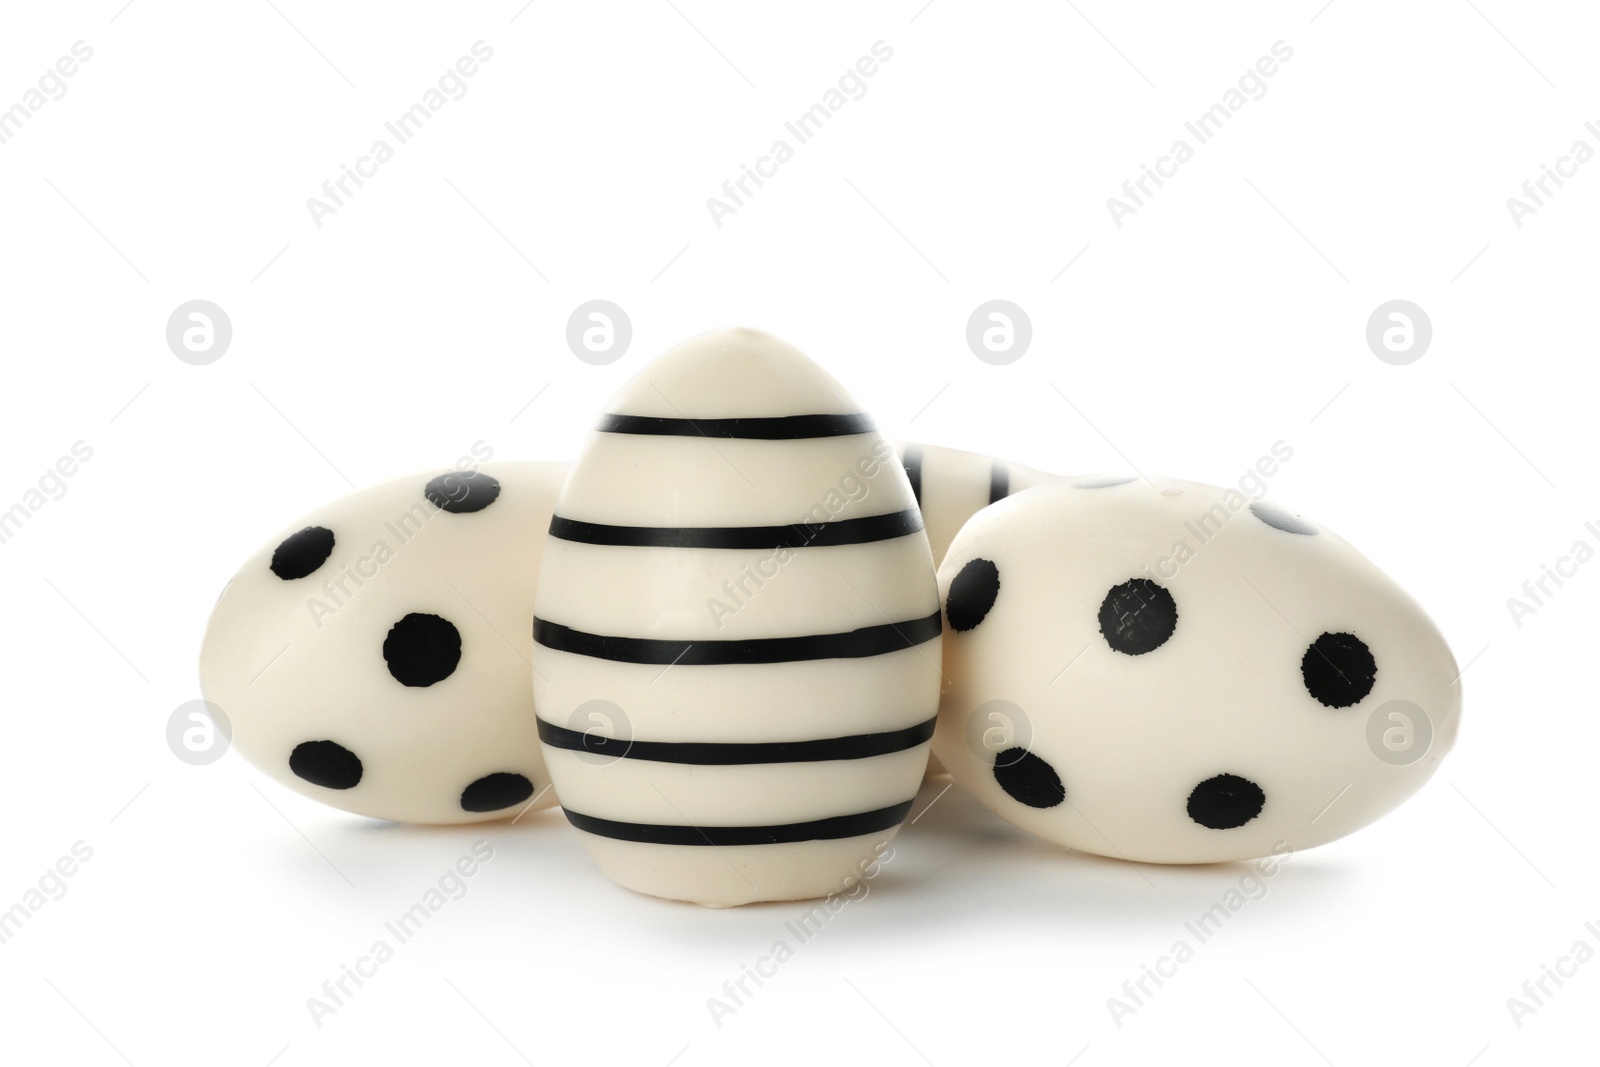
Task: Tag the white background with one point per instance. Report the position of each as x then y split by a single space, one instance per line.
1227 314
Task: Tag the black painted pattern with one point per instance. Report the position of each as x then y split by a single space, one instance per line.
738 753
856 531
830 829
852 644
770 428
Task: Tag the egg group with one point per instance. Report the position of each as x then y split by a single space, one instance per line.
734 635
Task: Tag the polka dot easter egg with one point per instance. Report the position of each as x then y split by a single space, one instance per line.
737 631
1172 673
950 487
374 656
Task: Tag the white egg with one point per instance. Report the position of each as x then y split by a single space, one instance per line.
951 486
1173 673
374 655
736 658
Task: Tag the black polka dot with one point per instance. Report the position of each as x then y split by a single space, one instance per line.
1137 617
326 763
1339 669
972 594
1105 481
1226 801
1028 779
459 492
495 791
422 649
1281 519
302 553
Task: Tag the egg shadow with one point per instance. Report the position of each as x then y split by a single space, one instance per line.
954 868
967 867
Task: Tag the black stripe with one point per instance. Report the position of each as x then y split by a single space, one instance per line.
775 428
731 753
853 644
999 481
799 535
866 822
912 462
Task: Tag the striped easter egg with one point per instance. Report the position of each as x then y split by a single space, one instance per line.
951 486
736 632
